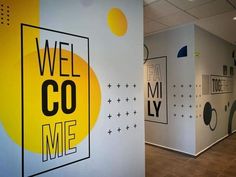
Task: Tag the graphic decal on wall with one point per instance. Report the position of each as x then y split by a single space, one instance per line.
225 70
5 14
207 116
231 116
155 84
56 80
124 118
117 22
183 52
182 95
146 53
216 84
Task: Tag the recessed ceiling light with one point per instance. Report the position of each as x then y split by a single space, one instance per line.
234 18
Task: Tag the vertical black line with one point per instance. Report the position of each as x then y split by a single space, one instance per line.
89 98
166 94
22 103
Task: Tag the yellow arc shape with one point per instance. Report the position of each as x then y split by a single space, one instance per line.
117 22
34 119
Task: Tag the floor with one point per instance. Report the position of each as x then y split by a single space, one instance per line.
218 161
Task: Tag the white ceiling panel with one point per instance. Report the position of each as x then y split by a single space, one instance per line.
176 19
187 4
146 2
210 9
159 9
153 26
221 25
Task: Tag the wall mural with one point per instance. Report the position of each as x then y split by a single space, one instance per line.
183 52
207 116
124 118
155 84
231 116
51 97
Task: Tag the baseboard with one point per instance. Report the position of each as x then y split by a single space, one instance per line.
171 149
187 153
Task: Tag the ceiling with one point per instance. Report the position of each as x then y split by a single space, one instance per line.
215 16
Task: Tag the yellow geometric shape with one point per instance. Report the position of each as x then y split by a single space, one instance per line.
117 22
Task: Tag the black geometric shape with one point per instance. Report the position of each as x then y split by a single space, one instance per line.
127 113
118 85
190 116
182 115
190 96
225 108
134 85
135 125
190 106
231 116
182 85
182 105
109 132
174 105
109 116
127 99
182 96
127 127
134 98
119 129
190 85
118 100
175 115
118 115
207 115
109 85
183 52
174 85
127 85
174 95
109 101
135 112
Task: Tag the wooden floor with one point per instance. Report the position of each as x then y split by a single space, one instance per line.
218 161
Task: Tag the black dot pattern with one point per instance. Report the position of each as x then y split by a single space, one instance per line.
4 15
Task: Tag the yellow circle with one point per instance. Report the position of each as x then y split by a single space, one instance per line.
38 127
117 22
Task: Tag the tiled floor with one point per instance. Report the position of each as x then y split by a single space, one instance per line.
218 161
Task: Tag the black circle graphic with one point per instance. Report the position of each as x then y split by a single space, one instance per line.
207 113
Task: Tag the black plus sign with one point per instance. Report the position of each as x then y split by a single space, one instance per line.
127 99
109 101
135 125
109 132
119 129
118 85
127 113
190 106
134 98
118 115
134 85
127 127
109 85
118 100
109 116
127 85
135 112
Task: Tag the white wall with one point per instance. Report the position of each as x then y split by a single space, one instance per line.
114 60
179 133
211 54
